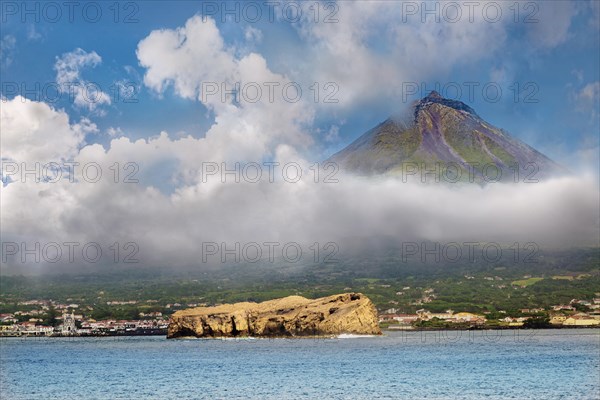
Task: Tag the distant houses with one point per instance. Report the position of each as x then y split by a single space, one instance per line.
424 315
581 320
562 307
90 327
8 319
567 315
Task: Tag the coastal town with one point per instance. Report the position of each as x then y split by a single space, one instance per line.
51 318
577 313
559 316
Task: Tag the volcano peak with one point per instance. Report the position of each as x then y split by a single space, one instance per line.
441 132
434 95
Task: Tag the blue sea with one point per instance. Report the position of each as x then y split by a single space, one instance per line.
541 364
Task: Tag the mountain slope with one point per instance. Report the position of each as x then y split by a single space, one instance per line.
447 135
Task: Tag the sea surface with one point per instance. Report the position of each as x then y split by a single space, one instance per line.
541 364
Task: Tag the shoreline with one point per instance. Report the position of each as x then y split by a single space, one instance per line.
349 335
161 332
484 328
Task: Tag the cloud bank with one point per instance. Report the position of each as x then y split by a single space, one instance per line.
170 227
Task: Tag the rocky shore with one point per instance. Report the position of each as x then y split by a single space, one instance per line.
293 316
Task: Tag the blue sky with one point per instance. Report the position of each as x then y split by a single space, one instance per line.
553 65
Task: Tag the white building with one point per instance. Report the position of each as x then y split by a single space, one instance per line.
68 326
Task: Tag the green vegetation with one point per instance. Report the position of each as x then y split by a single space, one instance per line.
563 277
50 317
468 144
388 280
537 323
526 282
436 323
498 151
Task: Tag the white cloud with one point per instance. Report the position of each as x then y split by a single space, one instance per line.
68 68
553 22
35 132
588 155
333 134
590 93
114 132
587 100
578 75
169 226
195 55
185 57
7 48
253 34
170 229
33 34
595 14
377 46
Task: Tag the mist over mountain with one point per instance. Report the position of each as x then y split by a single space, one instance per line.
448 135
170 229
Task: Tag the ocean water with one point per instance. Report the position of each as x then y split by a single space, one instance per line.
552 364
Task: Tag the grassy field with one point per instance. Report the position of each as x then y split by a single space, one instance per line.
526 282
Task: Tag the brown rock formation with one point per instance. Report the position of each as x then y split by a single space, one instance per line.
292 316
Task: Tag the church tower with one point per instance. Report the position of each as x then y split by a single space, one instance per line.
68 326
